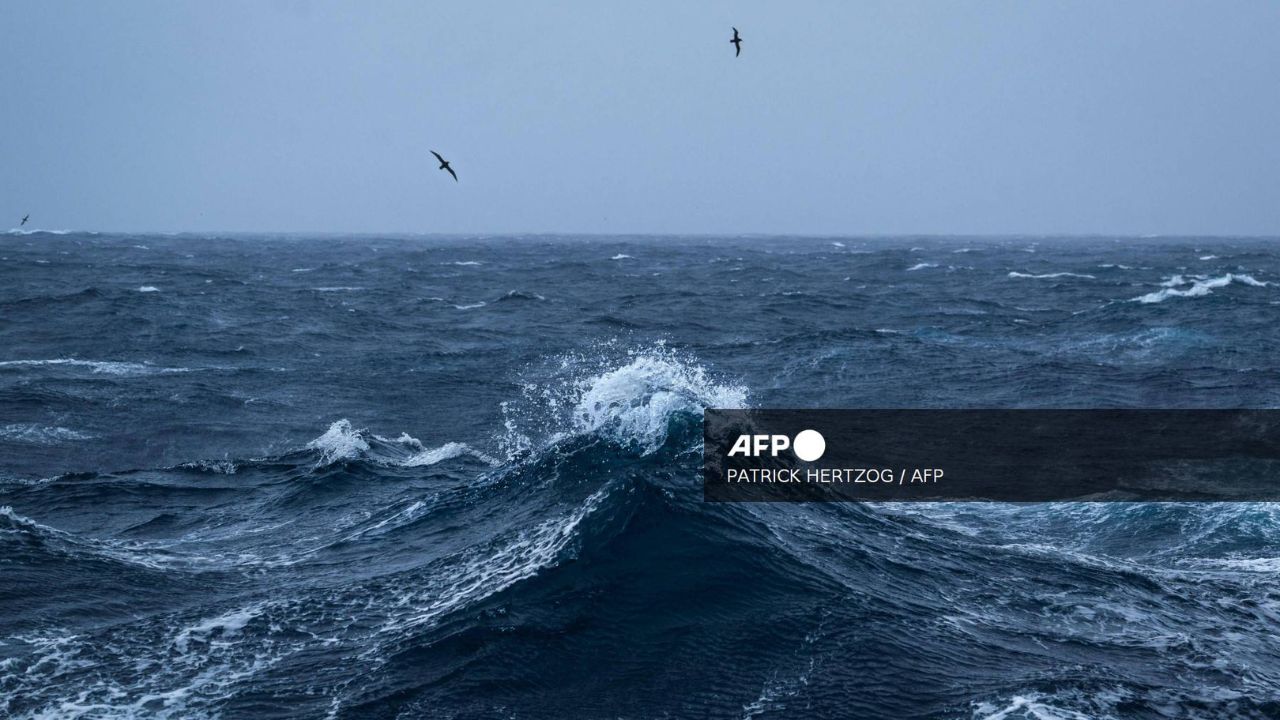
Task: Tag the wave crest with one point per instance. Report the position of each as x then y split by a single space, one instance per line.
1200 286
343 442
1048 276
634 403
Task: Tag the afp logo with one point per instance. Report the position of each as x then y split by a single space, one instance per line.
808 445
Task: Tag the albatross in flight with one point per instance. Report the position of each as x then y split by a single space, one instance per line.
444 165
25 218
737 43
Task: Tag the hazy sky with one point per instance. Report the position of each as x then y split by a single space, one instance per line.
840 117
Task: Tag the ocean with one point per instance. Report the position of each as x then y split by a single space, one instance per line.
460 477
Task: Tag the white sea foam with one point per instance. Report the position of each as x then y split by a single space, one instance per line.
7 512
38 231
467 263
1266 565
98 366
631 403
340 442
432 456
220 627
1208 257
339 288
1016 274
482 573
472 306
1176 280
219 467
922 266
40 434
521 295
620 256
12 522
148 289
180 679
1198 286
635 402
1030 707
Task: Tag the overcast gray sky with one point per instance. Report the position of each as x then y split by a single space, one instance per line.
841 117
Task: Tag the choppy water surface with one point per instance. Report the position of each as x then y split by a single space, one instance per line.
377 477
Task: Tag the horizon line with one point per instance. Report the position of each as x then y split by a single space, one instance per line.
210 234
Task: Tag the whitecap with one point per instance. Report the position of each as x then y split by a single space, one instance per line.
634 403
97 366
218 467
621 256
40 434
339 442
342 441
1016 274
922 266
447 451
148 289
38 231
1200 286
520 295
472 306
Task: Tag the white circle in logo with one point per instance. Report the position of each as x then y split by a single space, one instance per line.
809 445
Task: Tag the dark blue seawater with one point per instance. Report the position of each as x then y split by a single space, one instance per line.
288 477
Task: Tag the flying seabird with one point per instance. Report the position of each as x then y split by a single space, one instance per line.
737 43
25 218
444 165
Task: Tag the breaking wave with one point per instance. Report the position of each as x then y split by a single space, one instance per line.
1045 276
528 518
105 367
1196 286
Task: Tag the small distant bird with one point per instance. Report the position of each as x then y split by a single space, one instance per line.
737 43
25 218
444 165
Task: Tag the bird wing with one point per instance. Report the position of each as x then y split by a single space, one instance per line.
737 49
433 152
454 174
